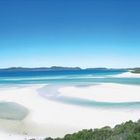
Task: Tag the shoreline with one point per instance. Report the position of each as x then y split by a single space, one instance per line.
128 74
47 116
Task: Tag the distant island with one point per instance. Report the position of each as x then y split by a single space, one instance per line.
57 68
53 68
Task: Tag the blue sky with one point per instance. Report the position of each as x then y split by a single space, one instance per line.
85 33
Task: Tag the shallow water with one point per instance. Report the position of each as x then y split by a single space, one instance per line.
77 78
52 93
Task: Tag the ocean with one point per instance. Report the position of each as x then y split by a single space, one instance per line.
76 77
56 79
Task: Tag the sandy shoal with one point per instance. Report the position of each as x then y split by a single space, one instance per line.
107 92
127 75
49 118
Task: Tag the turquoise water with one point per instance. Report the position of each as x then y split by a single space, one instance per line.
78 77
51 92
57 79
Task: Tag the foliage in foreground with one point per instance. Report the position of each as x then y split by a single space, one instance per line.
126 131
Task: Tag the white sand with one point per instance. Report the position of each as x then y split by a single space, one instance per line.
104 93
48 118
127 75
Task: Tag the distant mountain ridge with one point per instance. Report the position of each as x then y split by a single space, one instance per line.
56 68
53 68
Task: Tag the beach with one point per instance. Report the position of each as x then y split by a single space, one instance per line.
112 93
47 117
69 70
128 74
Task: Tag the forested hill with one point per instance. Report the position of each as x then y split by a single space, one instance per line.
136 70
126 131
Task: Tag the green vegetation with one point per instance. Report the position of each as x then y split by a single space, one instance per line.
126 131
136 70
